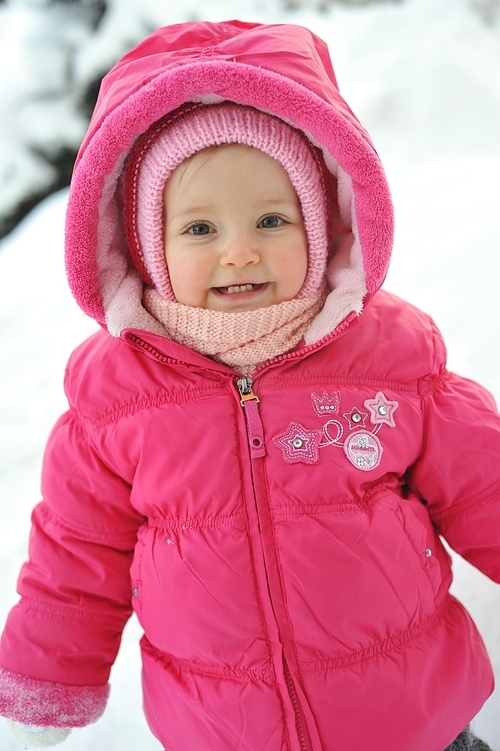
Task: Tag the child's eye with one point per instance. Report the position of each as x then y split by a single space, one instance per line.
200 228
269 222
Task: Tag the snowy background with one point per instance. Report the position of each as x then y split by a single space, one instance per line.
424 78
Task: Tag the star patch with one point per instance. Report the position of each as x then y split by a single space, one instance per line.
299 444
381 410
356 418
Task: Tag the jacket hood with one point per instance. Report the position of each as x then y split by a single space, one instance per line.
283 70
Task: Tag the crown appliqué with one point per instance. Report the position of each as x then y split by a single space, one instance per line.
326 404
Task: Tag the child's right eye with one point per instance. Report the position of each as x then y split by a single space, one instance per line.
270 222
200 228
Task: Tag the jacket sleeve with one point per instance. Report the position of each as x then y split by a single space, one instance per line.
61 639
457 473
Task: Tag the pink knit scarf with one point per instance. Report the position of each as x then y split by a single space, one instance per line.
242 340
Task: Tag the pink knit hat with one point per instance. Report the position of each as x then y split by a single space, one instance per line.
195 127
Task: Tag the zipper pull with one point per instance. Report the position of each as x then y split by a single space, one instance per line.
255 432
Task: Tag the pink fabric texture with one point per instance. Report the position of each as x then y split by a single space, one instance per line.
282 70
189 130
299 554
45 703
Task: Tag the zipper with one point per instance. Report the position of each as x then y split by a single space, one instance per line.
295 703
255 432
250 401
141 344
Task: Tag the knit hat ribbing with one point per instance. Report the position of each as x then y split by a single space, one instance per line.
192 128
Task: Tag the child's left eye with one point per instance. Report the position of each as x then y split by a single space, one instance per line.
200 228
269 222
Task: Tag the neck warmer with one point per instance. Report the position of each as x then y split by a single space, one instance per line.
243 340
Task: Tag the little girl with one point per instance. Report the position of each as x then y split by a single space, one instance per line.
262 449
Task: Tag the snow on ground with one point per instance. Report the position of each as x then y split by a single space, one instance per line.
423 78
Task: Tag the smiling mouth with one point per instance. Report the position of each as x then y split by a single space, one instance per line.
235 289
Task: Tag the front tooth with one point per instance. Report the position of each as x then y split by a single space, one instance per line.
239 288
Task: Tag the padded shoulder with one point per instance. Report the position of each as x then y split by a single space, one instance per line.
395 342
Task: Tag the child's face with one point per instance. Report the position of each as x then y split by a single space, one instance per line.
234 233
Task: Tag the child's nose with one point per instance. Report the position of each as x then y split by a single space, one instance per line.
240 251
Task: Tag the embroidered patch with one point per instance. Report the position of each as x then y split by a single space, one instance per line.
347 430
363 449
326 404
356 418
299 444
381 410
330 438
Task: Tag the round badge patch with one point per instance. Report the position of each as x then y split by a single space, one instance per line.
363 450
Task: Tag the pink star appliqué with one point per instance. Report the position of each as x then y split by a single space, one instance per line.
356 418
299 444
381 410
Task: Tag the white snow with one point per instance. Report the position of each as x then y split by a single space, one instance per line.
37 98
424 79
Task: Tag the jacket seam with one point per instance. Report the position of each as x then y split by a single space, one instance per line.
90 534
399 516
342 380
82 422
492 491
341 506
427 387
87 615
282 582
138 404
212 522
237 674
383 647
428 390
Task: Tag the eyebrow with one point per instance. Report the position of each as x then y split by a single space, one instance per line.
200 210
194 212
277 202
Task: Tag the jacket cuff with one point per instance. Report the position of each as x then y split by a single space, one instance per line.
35 702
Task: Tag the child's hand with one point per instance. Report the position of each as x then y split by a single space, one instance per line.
31 735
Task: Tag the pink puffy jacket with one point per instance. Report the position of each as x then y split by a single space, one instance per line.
279 540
